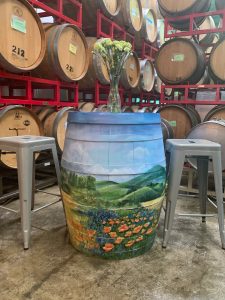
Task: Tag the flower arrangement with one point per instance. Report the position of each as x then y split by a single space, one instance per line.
114 54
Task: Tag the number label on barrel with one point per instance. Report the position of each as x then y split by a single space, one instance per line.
69 68
18 51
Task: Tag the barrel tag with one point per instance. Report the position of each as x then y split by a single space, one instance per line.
18 24
173 123
73 48
178 57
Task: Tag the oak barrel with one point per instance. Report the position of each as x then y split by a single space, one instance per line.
167 130
180 61
66 56
147 76
86 106
17 120
55 125
131 72
22 46
213 130
97 69
216 113
130 16
217 62
148 30
182 119
176 8
158 87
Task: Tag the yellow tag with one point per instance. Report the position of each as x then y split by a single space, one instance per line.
73 49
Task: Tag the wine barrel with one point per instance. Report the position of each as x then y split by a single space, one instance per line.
22 36
217 113
180 61
148 30
101 108
220 4
130 16
213 131
158 87
153 4
131 72
109 8
17 120
217 62
113 183
167 130
66 57
44 112
147 77
206 40
86 106
160 32
174 8
181 118
97 69
55 126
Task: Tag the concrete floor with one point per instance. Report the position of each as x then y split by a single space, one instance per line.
192 267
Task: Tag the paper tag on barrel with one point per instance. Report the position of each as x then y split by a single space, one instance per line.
178 57
18 24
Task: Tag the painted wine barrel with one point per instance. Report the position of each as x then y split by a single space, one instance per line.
217 62
113 182
182 119
131 72
66 56
220 4
214 131
22 36
17 120
174 8
96 70
180 61
109 8
147 76
130 16
55 126
148 30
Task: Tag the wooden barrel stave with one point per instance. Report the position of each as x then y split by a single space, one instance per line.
147 76
217 113
22 36
131 72
217 62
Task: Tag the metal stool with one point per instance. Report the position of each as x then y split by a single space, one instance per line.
202 150
25 147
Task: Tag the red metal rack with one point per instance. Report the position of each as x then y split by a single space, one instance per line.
57 10
22 89
170 32
143 99
186 90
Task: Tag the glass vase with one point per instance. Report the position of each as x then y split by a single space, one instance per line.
114 100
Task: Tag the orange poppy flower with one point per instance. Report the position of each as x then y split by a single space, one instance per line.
129 244
108 247
123 228
107 229
111 222
137 229
119 240
128 234
149 231
113 234
146 225
91 232
139 239
137 220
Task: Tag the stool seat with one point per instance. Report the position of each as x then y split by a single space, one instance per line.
202 150
25 147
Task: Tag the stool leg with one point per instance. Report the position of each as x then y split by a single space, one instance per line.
25 178
56 162
203 167
174 178
217 168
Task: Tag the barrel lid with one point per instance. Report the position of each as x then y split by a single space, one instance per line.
113 118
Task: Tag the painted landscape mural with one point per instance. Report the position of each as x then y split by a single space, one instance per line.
114 220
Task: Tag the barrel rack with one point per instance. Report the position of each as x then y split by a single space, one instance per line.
187 89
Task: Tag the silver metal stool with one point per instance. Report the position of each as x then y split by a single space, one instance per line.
202 150
25 147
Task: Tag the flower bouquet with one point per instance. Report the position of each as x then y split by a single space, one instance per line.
114 54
